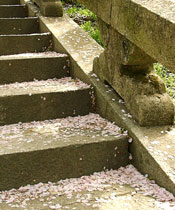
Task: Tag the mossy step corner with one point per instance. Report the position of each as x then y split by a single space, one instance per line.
25 43
42 100
26 25
58 149
33 66
13 11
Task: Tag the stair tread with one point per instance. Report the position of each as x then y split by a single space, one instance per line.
124 189
26 25
25 43
48 54
44 86
63 132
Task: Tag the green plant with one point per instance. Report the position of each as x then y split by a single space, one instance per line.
84 17
93 31
81 12
167 77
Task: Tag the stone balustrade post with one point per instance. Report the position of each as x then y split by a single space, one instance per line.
129 70
50 8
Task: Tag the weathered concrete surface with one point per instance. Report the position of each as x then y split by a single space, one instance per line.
59 149
148 24
25 102
50 8
13 11
130 72
33 66
108 104
19 25
25 43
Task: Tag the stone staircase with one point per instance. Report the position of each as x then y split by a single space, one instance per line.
49 137
47 131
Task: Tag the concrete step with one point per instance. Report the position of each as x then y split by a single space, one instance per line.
57 149
19 25
9 2
30 66
42 100
10 11
16 44
122 189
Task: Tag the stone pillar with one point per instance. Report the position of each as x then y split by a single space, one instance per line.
50 8
129 70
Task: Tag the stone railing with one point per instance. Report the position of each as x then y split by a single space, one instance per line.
50 8
137 33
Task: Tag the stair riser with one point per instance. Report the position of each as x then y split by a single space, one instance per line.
38 107
24 70
25 44
19 26
9 2
13 11
55 164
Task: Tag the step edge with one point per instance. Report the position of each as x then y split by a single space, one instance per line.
29 92
19 18
13 5
25 56
26 35
110 139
